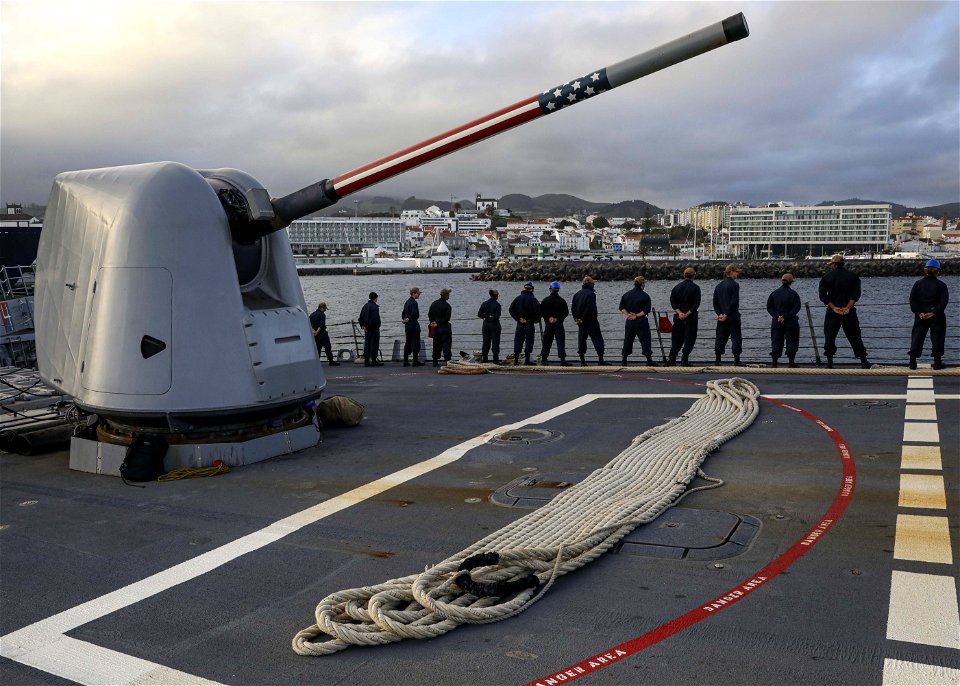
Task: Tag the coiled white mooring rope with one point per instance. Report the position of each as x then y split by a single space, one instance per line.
500 575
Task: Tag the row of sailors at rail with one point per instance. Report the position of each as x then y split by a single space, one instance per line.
839 290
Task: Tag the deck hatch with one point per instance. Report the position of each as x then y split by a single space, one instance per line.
873 405
525 436
534 490
687 533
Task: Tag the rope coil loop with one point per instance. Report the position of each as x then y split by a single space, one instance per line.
507 571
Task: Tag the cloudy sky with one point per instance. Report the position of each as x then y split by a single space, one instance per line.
824 101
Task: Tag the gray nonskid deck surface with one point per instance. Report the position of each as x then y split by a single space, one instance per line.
824 620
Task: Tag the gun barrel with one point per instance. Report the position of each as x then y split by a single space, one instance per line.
329 191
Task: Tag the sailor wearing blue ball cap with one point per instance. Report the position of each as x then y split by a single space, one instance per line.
525 309
928 301
554 310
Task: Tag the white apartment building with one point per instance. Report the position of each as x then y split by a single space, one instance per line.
471 224
340 233
808 230
573 240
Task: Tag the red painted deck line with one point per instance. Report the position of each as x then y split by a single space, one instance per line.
738 592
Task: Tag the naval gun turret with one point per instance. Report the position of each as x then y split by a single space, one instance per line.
167 299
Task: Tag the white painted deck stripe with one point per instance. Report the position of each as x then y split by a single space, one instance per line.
924 395
901 673
921 457
924 413
917 432
915 382
923 539
922 491
923 609
86 663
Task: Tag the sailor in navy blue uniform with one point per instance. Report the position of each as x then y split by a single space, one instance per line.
525 309
318 324
439 316
635 305
685 301
783 305
928 301
584 311
410 316
369 321
726 303
840 291
489 312
554 310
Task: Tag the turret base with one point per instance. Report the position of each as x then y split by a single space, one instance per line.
98 457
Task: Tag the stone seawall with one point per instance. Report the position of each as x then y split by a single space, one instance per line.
531 270
366 271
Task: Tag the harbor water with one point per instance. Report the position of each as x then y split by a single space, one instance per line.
884 313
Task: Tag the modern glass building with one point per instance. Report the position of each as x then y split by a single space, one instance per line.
337 234
757 232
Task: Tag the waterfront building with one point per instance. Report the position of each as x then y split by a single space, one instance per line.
711 217
470 224
795 231
951 241
907 224
574 240
431 223
338 234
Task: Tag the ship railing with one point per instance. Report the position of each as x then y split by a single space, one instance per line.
16 281
887 339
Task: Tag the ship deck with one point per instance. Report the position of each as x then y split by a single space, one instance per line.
840 565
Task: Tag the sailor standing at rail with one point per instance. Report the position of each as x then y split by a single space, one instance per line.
685 301
585 314
840 291
554 310
783 305
411 329
726 303
928 301
489 312
525 309
635 305
369 321
318 324
439 316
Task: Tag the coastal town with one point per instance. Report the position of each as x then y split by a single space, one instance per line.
486 234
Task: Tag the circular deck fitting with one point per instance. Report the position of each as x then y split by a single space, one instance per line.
525 436
873 405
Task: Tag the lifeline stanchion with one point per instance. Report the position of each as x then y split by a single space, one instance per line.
504 573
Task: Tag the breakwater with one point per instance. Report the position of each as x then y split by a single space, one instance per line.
380 271
562 270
